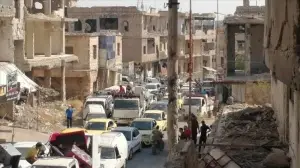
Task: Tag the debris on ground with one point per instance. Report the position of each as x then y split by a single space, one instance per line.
47 117
48 94
245 124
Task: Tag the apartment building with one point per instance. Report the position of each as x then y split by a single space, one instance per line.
139 29
282 58
163 49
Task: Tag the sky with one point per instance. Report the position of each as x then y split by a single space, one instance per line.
198 6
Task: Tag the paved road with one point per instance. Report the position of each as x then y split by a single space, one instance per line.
143 159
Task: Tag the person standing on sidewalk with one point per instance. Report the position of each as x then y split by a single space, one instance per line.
69 114
195 128
204 129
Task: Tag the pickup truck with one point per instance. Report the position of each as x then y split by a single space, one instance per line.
200 104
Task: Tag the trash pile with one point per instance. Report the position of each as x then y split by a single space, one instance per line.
47 117
48 94
249 125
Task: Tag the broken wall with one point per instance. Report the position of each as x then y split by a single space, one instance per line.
6 40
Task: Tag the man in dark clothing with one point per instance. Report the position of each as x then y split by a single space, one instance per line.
204 129
195 128
69 114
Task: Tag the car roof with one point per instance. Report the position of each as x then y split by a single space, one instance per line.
54 161
154 111
143 119
68 130
124 128
25 144
160 102
107 138
153 84
95 99
100 120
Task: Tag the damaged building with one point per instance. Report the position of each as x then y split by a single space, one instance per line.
282 57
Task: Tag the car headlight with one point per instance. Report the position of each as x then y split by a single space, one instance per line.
101 165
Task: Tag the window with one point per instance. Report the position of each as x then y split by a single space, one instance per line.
78 26
205 63
194 102
188 45
109 23
144 49
136 133
222 61
95 51
126 26
126 104
156 116
142 125
118 49
127 134
154 28
96 126
69 50
108 153
241 45
17 7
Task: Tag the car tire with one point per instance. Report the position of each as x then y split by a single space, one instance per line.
124 166
130 155
140 148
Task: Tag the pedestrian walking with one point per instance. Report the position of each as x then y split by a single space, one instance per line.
69 114
204 129
195 128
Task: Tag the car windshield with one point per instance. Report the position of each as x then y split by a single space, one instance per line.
96 126
126 104
108 153
206 84
142 125
23 151
94 102
194 102
91 116
127 134
151 87
155 116
158 107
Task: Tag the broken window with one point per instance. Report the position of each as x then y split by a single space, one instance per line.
109 23
78 26
144 49
90 26
240 45
69 50
126 26
118 48
95 51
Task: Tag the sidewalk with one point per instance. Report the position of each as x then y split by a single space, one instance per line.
22 135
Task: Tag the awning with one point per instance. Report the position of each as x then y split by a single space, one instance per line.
25 82
209 69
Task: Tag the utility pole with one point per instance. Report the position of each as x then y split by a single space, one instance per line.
190 65
172 119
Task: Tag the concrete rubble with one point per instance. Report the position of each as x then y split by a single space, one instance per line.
245 124
47 117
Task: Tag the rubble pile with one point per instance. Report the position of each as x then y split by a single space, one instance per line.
48 117
249 125
48 94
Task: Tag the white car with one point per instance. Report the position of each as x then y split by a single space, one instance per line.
133 137
153 87
23 148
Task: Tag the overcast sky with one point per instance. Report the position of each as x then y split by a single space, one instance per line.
198 6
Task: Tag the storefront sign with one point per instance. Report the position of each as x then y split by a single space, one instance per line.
13 87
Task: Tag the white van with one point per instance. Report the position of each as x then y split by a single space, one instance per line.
114 150
93 111
60 162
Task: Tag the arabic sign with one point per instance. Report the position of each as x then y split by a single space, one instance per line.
13 87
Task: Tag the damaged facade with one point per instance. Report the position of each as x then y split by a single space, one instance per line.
282 57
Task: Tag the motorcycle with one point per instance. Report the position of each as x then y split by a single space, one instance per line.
157 145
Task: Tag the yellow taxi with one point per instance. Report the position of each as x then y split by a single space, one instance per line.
70 130
99 125
159 116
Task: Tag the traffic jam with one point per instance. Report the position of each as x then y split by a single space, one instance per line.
117 123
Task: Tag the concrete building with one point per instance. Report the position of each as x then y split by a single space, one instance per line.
44 47
140 31
244 30
283 60
182 30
